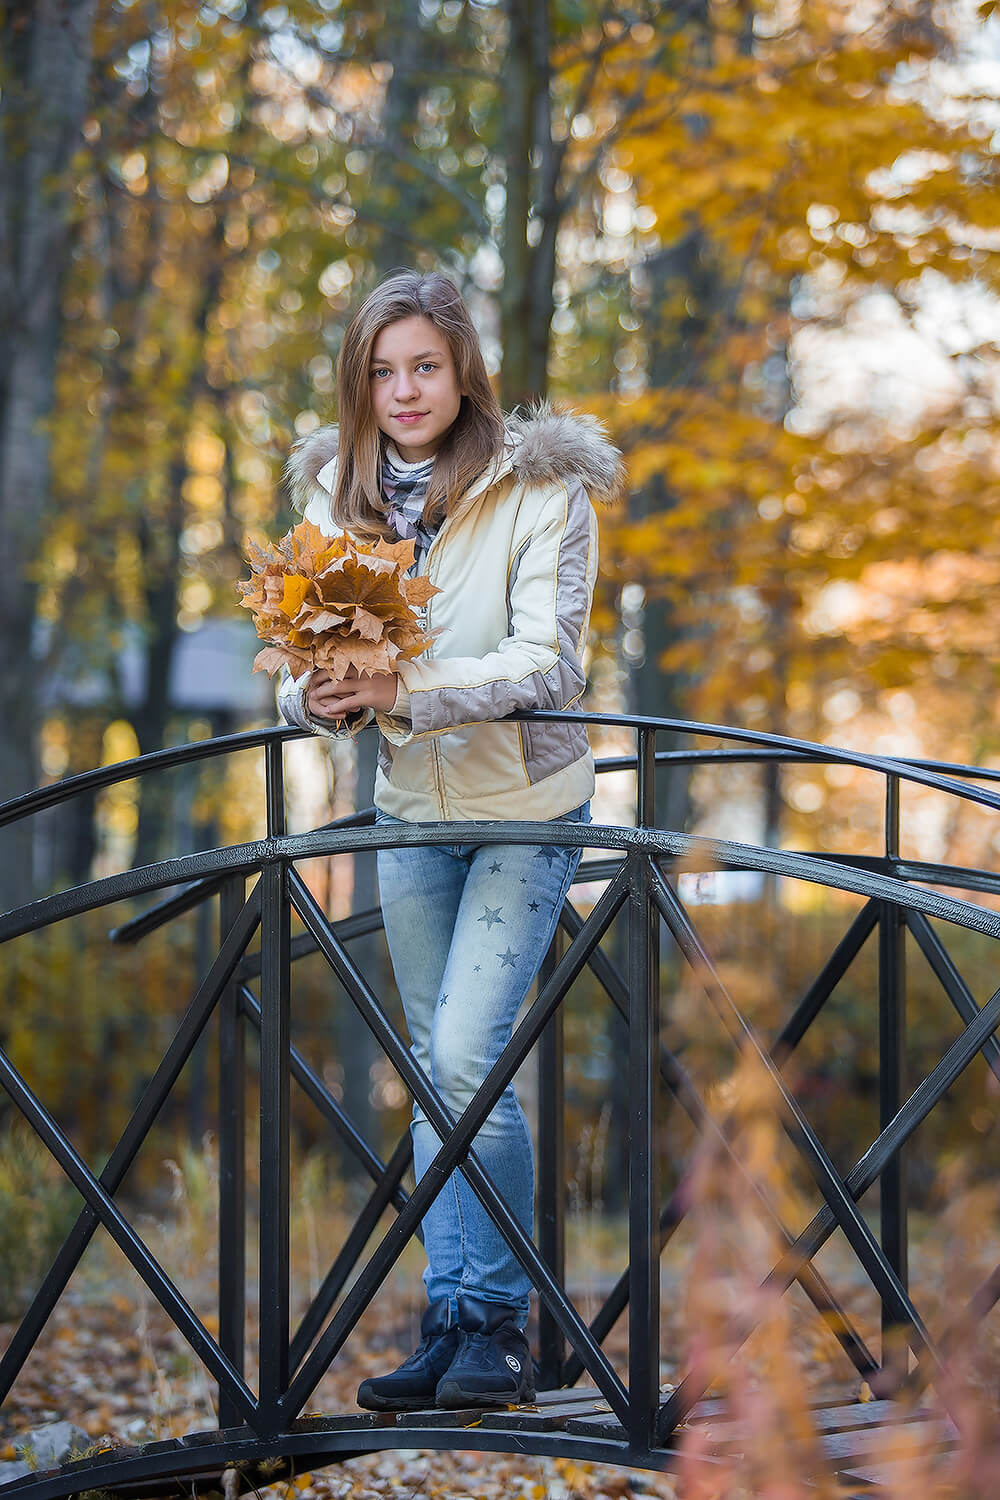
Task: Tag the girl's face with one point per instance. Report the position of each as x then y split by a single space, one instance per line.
414 386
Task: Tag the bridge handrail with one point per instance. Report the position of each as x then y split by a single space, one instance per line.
761 746
286 848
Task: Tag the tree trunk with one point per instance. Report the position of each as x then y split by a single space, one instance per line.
402 196
159 539
46 46
679 276
160 535
526 301
402 46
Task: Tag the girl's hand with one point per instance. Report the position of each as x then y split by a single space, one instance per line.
329 699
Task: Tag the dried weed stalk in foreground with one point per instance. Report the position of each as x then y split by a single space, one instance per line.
766 1384
335 602
775 1452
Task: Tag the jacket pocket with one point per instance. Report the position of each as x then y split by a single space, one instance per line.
549 748
482 759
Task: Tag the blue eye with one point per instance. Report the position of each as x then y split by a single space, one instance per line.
381 370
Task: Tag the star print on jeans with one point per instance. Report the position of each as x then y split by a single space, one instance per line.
532 905
495 868
443 1000
489 917
548 854
477 968
508 959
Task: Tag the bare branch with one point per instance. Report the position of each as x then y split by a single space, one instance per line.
309 189
400 152
574 188
582 96
434 174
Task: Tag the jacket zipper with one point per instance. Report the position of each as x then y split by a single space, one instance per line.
436 767
439 780
437 771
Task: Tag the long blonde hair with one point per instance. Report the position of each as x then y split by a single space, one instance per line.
475 439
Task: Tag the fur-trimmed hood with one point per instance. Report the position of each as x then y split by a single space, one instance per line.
545 444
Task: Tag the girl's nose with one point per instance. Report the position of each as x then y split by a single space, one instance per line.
405 385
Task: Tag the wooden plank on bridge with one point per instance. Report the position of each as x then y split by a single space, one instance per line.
848 1431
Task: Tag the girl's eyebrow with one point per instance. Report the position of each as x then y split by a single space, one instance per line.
415 360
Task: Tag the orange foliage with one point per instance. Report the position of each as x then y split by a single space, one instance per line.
334 602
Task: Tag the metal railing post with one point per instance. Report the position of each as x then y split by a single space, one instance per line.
275 1042
892 1061
232 1159
551 1176
643 1191
644 1236
645 778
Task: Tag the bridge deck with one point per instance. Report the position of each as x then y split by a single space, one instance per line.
859 1442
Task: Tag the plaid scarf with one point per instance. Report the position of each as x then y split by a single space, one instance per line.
404 490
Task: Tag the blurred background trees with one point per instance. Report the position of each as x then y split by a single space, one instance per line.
761 241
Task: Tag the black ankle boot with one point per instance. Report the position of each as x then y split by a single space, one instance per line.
412 1386
492 1364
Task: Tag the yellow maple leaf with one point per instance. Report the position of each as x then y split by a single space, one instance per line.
293 594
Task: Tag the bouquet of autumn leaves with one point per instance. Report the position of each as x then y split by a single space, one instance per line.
334 602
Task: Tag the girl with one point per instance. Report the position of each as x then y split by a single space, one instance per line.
503 523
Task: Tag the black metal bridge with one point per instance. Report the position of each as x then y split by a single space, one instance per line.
594 1408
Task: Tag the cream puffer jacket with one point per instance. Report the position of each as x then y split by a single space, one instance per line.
516 565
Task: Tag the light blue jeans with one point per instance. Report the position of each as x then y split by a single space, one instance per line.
468 926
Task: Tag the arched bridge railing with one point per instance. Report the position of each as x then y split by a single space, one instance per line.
259 887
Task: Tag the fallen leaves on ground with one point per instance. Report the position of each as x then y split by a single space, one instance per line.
115 1365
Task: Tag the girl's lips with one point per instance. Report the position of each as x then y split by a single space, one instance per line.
410 416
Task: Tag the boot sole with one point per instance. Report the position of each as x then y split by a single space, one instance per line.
452 1397
399 1403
